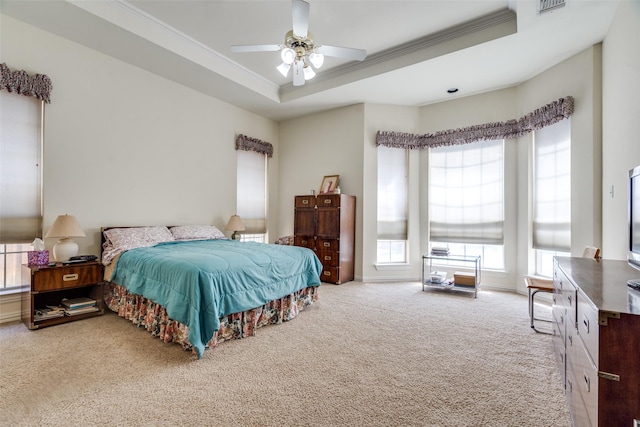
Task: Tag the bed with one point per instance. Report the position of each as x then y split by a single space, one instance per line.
193 286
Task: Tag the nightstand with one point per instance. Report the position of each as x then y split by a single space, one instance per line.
46 286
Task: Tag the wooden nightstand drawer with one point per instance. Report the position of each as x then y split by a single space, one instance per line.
48 279
47 287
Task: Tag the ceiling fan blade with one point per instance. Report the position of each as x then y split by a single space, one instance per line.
343 52
300 12
298 73
255 48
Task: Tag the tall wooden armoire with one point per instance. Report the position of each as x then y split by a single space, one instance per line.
327 224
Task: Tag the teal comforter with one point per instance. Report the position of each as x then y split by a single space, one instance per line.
200 281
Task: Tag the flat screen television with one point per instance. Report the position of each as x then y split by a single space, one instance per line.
634 217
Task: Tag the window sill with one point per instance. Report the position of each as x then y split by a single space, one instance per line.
393 266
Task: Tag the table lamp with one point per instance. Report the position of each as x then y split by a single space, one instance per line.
235 224
65 228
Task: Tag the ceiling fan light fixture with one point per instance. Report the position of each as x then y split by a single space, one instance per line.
316 59
309 73
299 52
288 55
284 68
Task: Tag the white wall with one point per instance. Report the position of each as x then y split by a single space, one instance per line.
621 124
328 143
126 147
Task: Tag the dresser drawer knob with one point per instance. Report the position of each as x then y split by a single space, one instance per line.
327 201
305 202
327 257
327 244
70 277
327 273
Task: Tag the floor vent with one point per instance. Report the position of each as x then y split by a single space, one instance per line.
549 5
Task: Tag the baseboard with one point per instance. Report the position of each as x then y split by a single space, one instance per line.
10 308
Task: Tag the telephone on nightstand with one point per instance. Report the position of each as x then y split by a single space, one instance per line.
80 258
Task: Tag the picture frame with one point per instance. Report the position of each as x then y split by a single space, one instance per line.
329 184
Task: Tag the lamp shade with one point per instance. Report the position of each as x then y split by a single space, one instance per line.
235 224
65 227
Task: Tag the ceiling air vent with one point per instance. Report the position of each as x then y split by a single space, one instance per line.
549 5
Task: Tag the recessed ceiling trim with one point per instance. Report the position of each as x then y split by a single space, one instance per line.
489 27
456 32
136 21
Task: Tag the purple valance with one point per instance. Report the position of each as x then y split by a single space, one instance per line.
22 83
541 117
248 143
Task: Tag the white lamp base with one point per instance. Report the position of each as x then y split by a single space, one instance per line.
65 249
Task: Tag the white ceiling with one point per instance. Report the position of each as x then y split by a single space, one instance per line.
416 49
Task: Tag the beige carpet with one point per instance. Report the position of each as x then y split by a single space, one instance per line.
364 355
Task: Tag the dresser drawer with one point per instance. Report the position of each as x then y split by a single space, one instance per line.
588 327
559 350
559 316
577 409
330 274
305 241
305 201
66 277
586 381
328 201
329 258
328 244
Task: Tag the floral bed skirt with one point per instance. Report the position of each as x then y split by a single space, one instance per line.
153 317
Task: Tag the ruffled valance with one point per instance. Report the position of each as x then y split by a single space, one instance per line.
20 82
541 117
248 143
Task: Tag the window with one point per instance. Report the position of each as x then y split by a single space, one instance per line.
466 200
20 182
252 194
551 194
392 205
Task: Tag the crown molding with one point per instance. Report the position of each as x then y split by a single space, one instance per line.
128 17
476 31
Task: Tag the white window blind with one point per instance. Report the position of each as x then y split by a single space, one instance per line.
392 193
20 168
252 190
552 187
466 193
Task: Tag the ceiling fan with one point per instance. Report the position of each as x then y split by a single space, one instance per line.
299 51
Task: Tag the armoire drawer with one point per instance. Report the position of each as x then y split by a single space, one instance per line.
328 244
329 258
330 274
305 201
305 241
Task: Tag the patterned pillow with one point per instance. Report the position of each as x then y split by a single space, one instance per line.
196 232
286 240
118 240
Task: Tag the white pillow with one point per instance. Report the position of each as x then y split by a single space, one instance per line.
196 232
